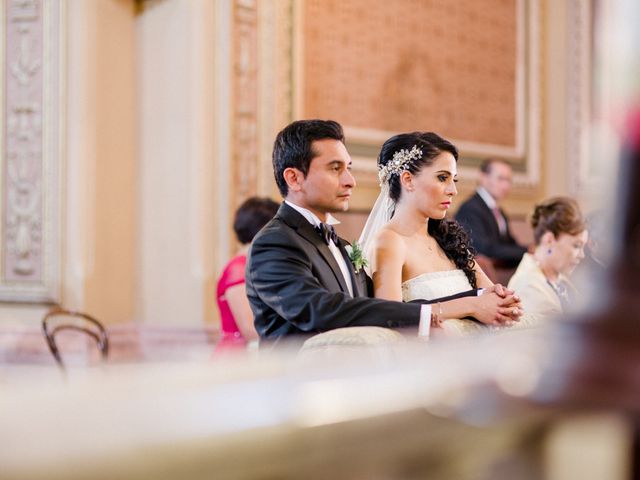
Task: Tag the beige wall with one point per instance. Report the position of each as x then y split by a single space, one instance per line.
178 176
153 131
101 173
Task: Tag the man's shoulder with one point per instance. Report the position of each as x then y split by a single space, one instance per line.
474 202
276 230
272 243
473 199
527 275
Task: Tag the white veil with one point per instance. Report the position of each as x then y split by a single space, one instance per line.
378 218
384 206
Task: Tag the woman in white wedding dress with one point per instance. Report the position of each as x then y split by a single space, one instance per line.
415 253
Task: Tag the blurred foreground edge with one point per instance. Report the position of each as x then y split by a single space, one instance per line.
596 357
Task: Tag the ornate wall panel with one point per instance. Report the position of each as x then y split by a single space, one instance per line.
407 65
275 88
463 68
263 57
30 145
579 68
470 70
245 100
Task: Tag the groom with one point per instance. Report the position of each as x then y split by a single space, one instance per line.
299 278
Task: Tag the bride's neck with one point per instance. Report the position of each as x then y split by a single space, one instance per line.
409 221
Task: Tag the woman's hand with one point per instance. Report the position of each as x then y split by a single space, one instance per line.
500 290
498 306
510 300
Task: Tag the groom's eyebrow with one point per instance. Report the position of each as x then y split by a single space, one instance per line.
340 162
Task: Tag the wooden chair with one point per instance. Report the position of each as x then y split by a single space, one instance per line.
58 319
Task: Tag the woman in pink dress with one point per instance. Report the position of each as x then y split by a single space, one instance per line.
236 318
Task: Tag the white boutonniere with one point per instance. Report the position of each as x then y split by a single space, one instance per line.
356 256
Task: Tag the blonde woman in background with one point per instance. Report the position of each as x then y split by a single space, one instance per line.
542 278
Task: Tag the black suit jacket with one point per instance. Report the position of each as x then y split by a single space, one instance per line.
478 220
295 286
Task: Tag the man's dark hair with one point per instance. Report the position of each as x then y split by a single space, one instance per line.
251 216
485 166
292 148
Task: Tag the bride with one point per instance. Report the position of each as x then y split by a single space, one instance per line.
416 253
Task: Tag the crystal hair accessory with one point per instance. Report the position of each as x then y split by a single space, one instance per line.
398 163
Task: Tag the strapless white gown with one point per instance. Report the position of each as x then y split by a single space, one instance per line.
442 284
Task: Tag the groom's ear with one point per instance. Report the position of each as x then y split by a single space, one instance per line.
294 178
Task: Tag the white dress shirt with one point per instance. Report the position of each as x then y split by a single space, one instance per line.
425 310
493 206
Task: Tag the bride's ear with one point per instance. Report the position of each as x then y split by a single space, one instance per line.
406 181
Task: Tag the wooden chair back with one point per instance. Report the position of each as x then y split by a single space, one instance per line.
58 319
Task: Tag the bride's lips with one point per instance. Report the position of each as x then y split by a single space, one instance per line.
446 204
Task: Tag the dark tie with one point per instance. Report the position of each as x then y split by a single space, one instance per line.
328 233
502 225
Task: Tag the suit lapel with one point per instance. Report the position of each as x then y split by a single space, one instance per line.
306 230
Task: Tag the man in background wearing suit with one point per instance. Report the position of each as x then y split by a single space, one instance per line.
485 221
300 280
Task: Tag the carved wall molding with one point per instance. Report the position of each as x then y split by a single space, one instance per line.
275 86
579 68
245 100
262 59
31 150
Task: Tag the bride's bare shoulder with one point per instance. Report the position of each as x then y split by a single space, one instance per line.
388 238
390 249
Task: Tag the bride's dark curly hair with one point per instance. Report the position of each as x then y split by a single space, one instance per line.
449 234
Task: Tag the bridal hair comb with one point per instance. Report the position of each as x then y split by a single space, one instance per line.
398 163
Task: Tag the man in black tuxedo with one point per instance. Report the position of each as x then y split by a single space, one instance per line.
299 278
484 220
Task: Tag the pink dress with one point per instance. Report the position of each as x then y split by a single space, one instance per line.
233 274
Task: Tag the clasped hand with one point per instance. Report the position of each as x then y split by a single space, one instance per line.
499 306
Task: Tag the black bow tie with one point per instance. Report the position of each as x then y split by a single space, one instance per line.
328 233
